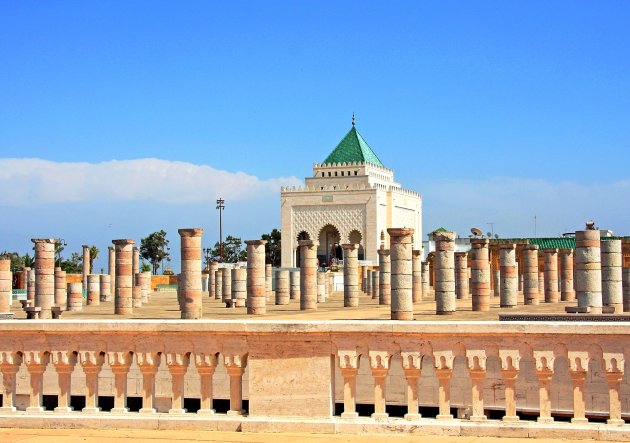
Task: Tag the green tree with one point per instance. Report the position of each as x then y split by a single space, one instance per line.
233 250
144 267
59 247
29 262
273 247
154 248
93 254
16 261
73 265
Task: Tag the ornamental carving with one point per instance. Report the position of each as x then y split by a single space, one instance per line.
345 218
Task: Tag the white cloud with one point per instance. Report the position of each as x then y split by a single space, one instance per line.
29 181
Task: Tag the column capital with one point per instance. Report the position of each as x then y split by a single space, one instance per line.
64 361
177 362
35 360
205 361
411 360
44 240
255 242
119 361
400 232
383 252
91 359
379 361
510 359
348 360
148 362
578 360
350 246
9 359
190 232
544 360
308 243
476 360
613 361
235 361
443 360
123 242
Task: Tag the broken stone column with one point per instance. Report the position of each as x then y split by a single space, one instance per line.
136 260
588 270
214 266
282 287
509 276
111 270
75 296
530 274
461 275
364 271
350 275
480 274
239 287
385 277
552 294
425 279
86 264
106 288
308 275
146 286
444 263
30 286
136 293
294 289
416 275
567 292
626 289
401 257
218 284
124 278
93 290
141 293
268 283
496 274
541 283
321 287
226 282
375 284
190 276
256 291
6 288
61 290
368 287
612 260
44 275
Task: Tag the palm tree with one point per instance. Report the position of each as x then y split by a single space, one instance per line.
93 254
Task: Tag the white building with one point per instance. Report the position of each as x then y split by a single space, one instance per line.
351 198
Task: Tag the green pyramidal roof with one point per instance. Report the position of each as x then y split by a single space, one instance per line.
353 149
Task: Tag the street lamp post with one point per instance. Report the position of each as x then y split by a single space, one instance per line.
61 243
220 207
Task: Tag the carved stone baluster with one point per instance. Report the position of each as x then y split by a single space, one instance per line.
379 364
64 362
206 364
510 365
544 373
149 364
349 366
578 368
443 371
477 371
91 362
613 367
177 366
9 366
411 363
235 365
36 362
120 362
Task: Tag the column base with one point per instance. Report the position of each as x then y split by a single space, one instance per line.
147 411
177 411
235 413
444 417
575 420
380 415
7 409
544 419
63 409
206 412
35 410
511 418
350 415
91 410
615 422
477 418
411 417
119 410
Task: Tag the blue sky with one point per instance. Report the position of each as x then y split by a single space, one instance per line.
494 111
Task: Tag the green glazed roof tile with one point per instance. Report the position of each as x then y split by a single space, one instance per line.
353 148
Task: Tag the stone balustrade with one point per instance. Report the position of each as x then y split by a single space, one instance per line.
324 371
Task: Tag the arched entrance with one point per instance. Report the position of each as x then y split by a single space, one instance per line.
301 236
356 237
329 245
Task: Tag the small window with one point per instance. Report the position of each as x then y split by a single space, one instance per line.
335 173
323 173
356 172
342 173
328 173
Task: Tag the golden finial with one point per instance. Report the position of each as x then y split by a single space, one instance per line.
353 119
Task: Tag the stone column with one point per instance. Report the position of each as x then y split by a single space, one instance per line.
64 362
282 287
379 364
385 277
146 286
30 286
350 275
416 275
477 373
86 264
61 294
214 266
75 296
626 289
136 260
91 362
268 284
401 257
6 289
496 275
321 287
425 279
190 276
9 365
480 274
567 293
541 284
120 362
578 376
411 363
206 364
112 270
235 364
106 288
530 274
364 272
552 295
444 262
294 288
218 284
148 363
368 286
509 370
177 365
349 366
308 275
612 260
36 362
93 290
226 282
544 382
239 287
461 275
375 284
124 278
44 275
136 291
509 276
443 375
614 377
588 271
256 291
